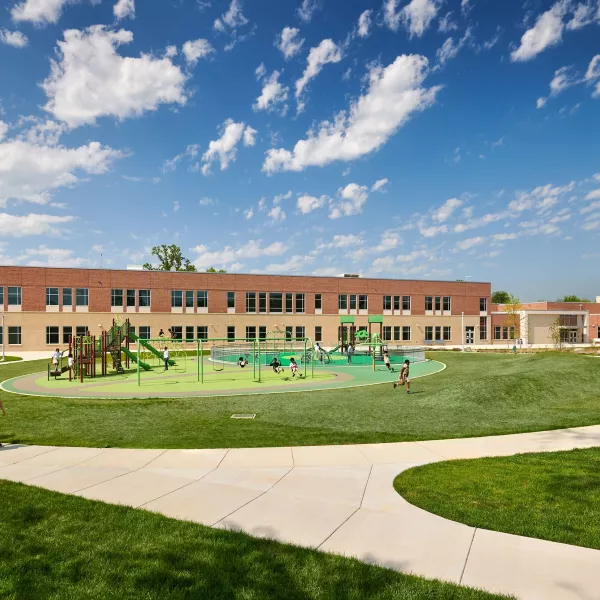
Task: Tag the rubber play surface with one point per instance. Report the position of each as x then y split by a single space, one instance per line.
182 381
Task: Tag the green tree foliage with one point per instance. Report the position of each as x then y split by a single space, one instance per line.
501 297
170 259
213 270
573 299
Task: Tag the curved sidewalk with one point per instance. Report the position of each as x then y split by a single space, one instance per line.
336 498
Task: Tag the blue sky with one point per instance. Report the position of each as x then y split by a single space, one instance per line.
413 139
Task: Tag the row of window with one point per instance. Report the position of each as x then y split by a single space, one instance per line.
353 301
117 296
504 333
293 302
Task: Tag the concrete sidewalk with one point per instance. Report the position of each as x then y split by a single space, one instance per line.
335 498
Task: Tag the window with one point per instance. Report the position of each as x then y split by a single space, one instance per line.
300 332
230 299
230 329
202 332
483 304
144 298
387 333
447 333
352 301
1 296
144 333
299 303
428 333
67 334
396 333
67 297
343 302
14 298
53 335
132 329
289 333
177 332
289 303
250 302
599 331
319 301
189 299
483 328
319 333
405 302
189 332
202 299
438 303
396 303
363 302
81 330
131 298
116 297
438 334
568 320
505 333
82 297
262 332
406 333
51 296
176 299
387 303
250 333
447 303
276 302
14 334
428 302
497 333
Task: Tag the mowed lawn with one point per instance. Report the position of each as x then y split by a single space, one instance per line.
553 496
64 547
478 394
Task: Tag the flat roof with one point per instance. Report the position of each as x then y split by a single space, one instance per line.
243 274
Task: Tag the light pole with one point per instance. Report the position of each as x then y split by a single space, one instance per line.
3 337
463 330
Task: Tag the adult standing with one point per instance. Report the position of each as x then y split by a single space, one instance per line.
350 353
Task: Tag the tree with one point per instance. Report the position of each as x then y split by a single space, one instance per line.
514 321
556 334
573 299
170 259
213 270
500 297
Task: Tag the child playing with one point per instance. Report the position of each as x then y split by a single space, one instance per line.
166 358
55 359
242 362
403 377
386 361
70 361
294 367
276 365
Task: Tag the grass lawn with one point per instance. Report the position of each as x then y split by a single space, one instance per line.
554 496
64 547
478 394
10 359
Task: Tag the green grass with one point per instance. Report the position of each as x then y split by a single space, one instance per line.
63 547
478 394
10 359
552 496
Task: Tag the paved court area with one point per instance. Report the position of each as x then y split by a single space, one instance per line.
335 498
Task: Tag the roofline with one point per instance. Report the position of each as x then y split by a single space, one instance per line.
244 274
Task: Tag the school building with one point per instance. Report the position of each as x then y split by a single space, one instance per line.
44 307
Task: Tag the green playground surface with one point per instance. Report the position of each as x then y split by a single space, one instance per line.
220 379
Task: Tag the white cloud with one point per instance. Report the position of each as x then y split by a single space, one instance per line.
4 127
191 152
248 214
395 93
444 212
583 15
32 224
224 149
470 243
591 207
352 199
273 94
432 231
13 38
482 221
450 50
593 195
171 51
503 237
364 23
306 204
562 80
262 204
206 201
176 206
379 185
194 50
233 18
541 102
124 9
289 42
89 79
40 12
319 56
307 9
53 257
447 24
416 16
29 171
342 241
538 197
593 70
277 214
279 197
227 256
546 32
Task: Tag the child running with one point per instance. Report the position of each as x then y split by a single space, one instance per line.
386 361
242 362
277 368
294 367
403 377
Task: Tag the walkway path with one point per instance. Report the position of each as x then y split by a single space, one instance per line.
336 498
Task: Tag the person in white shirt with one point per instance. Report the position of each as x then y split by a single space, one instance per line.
70 360
166 357
55 359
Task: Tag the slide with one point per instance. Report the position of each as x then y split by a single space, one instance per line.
150 348
334 350
133 357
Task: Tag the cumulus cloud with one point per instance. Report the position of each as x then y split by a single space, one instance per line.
379 185
16 39
248 213
470 243
273 95
306 204
364 23
194 50
41 12
52 257
279 197
227 256
277 214
351 200
433 230
124 9
307 9
450 48
32 224
289 42
224 149
319 56
88 79
416 16
394 94
232 19
444 212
